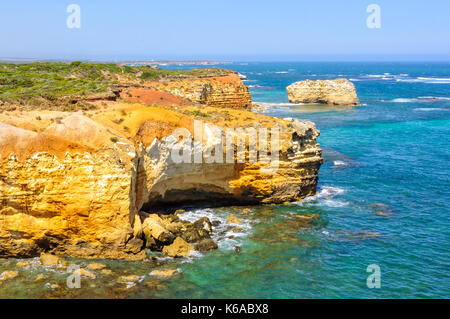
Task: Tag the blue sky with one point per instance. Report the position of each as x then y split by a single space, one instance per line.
226 30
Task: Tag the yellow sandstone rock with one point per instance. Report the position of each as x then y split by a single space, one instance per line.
152 228
179 248
96 266
224 91
85 273
50 260
23 264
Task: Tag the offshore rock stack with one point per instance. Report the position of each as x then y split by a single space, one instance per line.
334 92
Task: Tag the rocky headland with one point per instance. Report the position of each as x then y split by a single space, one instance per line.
86 171
333 92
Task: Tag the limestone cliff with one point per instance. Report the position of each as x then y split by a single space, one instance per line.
83 201
222 91
76 183
74 204
164 182
335 92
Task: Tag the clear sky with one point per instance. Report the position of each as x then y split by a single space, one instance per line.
226 30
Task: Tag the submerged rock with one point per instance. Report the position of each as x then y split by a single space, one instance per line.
179 248
96 266
382 209
335 92
154 285
128 279
165 273
8 274
23 264
85 273
233 220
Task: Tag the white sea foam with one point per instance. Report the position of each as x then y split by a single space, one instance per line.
268 104
426 80
433 79
339 163
282 72
425 99
334 203
435 98
325 196
404 100
404 77
424 109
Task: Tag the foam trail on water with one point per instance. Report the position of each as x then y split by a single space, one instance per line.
325 196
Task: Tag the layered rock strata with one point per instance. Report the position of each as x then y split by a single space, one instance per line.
224 91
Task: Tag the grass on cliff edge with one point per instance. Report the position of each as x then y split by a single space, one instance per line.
67 86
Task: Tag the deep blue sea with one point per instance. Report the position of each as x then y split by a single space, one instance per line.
383 197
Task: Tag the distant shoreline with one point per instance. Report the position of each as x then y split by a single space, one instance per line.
30 60
174 63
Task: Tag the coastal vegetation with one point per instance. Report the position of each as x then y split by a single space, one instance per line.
68 86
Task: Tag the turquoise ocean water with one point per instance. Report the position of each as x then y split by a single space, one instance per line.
383 199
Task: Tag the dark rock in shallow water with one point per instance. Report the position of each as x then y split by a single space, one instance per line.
215 223
206 245
203 224
193 235
339 160
134 245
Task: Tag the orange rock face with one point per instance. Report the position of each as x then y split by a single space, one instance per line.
222 91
